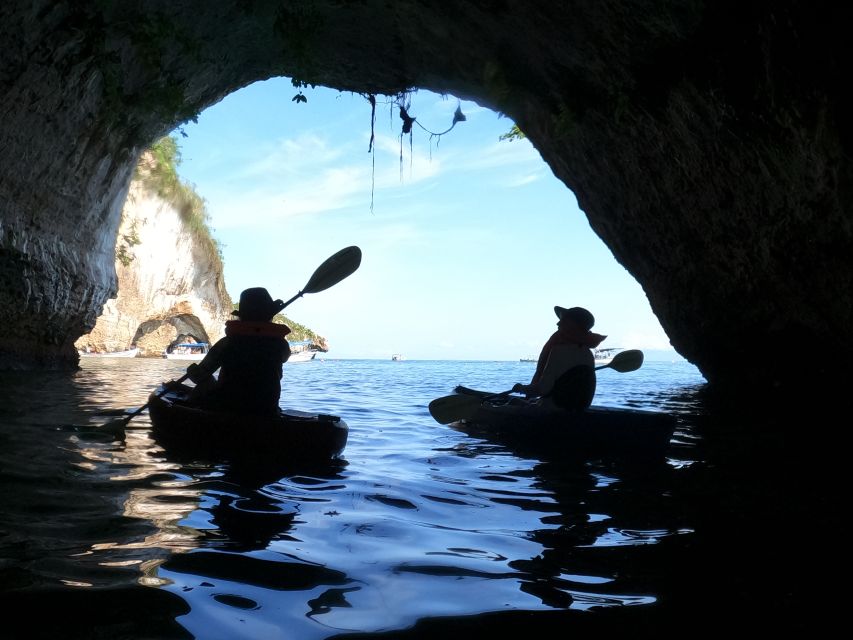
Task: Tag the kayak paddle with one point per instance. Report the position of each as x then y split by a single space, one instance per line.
461 406
455 407
334 269
117 426
624 361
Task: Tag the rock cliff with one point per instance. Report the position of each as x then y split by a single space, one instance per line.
170 279
169 274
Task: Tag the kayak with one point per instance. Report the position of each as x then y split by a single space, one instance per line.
514 421
296 436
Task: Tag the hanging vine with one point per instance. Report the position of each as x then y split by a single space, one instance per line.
372 100
403 103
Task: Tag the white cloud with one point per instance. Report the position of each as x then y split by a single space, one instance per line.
521 181
294 178
291 176
416 165
272 201
286 157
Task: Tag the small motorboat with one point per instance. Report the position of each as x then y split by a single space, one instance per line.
302 351
127 353
187 351
302 356
605 355
295 436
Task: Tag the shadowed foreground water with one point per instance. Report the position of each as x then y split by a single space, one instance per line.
418 531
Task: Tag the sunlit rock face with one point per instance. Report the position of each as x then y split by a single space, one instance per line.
708 143
169 284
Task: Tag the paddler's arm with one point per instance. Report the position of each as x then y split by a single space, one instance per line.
285 351
531 389
204 370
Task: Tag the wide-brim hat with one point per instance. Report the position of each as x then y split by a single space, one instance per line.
580 316
257 304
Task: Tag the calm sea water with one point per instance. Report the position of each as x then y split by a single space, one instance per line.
418 525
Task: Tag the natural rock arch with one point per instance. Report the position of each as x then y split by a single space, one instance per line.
153 337
708 144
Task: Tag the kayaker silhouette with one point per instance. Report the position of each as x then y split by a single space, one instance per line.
248 358
565 371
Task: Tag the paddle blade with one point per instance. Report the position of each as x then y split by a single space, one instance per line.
625 361
472 392
334 269
111 412
115 427
452 408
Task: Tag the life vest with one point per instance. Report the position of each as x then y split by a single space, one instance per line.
253 328
250 365
566 335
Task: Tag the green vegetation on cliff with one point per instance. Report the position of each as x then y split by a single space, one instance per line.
161 176
299 332
158 171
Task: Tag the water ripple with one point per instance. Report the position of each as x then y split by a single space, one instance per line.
418 520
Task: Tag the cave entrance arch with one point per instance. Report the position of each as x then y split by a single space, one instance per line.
479 210
155 337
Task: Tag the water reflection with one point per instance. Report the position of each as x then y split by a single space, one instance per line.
58 501
417 521
590 513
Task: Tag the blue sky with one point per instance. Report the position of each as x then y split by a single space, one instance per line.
468 243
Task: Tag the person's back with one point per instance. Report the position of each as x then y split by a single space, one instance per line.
250 373
568 380
565 373
249 359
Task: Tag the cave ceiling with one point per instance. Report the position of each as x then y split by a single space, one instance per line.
708 143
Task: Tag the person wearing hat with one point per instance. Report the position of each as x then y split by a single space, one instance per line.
568 347
249 359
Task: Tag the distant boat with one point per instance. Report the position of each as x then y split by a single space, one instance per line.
187 351
128 353
302 356
396 357
605 356
302 351
602 356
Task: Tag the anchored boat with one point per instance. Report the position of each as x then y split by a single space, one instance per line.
187 351
605 356
128 353
302 351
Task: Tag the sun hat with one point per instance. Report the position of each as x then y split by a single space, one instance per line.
256 304
580 316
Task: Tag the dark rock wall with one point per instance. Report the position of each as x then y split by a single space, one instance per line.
708 143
